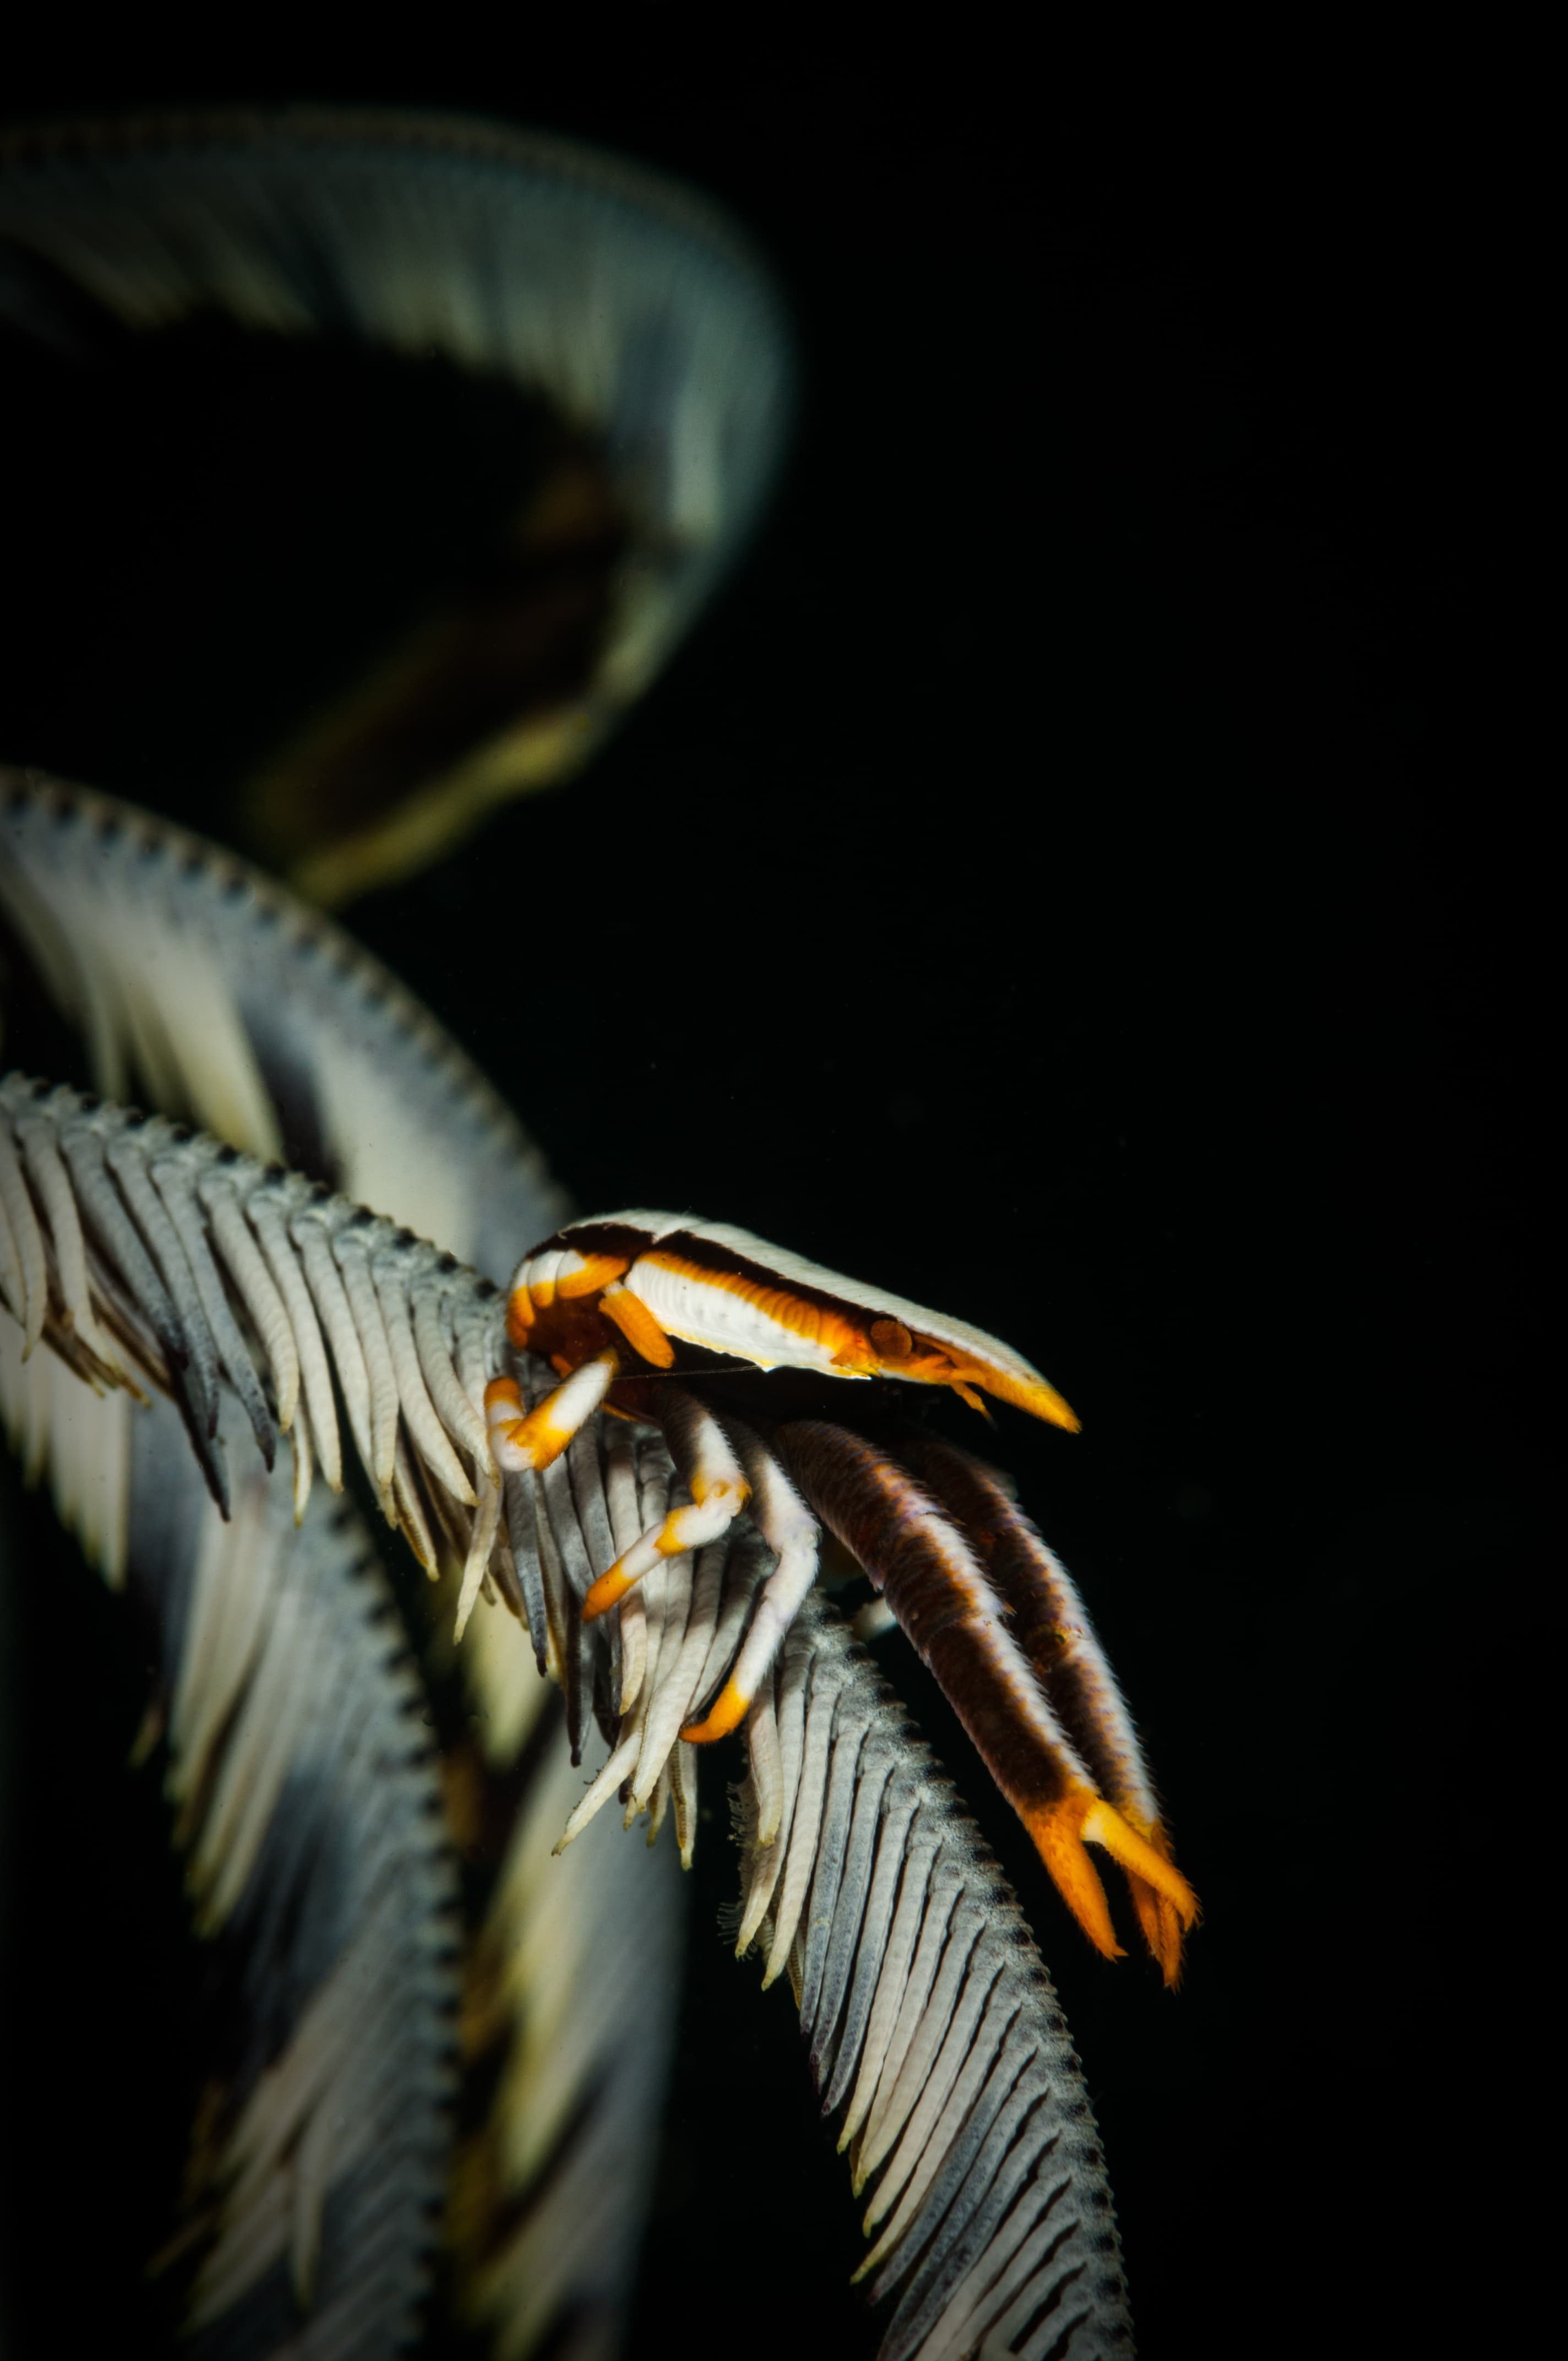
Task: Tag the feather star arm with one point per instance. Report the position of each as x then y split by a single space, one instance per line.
267 1022
633 309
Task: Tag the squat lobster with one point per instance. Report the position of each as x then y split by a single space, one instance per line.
645 1281
609 1301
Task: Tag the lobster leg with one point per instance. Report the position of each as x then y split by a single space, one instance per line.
719 1493
791 1532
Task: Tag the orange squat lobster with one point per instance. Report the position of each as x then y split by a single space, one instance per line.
616 1303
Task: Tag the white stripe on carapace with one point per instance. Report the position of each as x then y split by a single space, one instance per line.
714 1286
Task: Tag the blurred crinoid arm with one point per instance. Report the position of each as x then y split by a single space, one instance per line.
162 1259
305 1795
934 2034
203 991
202 987
641 339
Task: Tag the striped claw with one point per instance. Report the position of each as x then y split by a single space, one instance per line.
521 1439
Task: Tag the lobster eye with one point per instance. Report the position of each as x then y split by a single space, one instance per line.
892 1339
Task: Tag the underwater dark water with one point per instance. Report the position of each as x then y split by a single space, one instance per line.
1069 878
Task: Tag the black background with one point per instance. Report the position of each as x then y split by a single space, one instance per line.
1080 875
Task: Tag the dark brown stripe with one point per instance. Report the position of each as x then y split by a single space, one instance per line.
872 1505
596 1237
1044 1616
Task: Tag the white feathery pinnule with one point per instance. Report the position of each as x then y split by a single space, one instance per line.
919 1989
135 1229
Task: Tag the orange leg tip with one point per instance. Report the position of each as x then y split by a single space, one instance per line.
503 1390
541 1446
729 1710
607 1592
1059 1843
1169 1951
1104 1825
1161 1926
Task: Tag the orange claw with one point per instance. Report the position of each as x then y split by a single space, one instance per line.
731 1708
1166 1907
1163 1899
1058 1831
1161 1927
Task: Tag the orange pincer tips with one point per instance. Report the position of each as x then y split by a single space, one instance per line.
1058 1831
1161 1924
1104 1825
1163 1899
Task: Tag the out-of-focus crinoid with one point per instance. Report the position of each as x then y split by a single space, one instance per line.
597 345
